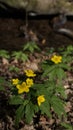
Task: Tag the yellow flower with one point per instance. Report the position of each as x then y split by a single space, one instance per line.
56 59
29 82
30 73
22 88
40 99
15 81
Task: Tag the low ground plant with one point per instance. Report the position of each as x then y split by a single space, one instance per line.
46 95
4 54
31 47
19 55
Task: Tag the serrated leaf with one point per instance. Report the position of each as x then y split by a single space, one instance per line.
20 55
37 86
31 46
13 68
64 66
25 102
36 108
16 100
26 46
58 106
60 73
4 54
53 74
50 87
67 126
19 114
24 57
60 89
48 70
45 109
29 112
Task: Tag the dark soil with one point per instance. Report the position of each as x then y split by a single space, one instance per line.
12 39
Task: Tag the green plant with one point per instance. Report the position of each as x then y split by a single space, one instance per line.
54 72
20 55
24 97
44 96
13 68
30 46
67 126
67 54
3 83
4 54
36 97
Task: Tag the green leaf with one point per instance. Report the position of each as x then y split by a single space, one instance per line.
50 87
24 57
64 66
38 87
14 68
56 73
29 112
4 54
67 126
25 102
2 83
20 55
58 106
60 73
48 69
15 100
27 46
31 46
19 114
45 108
61 90
36 109
53 74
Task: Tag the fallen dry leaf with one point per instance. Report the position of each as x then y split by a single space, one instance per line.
5 61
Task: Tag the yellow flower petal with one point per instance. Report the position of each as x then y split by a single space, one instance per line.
22 88
15 81
40 99
29 82
56 59
29 73
26 89
18 86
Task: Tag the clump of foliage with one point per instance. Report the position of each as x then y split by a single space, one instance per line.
13 68
3 83
20 55
31 47
32 96
4 54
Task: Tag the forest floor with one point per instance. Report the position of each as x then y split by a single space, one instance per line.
13 35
